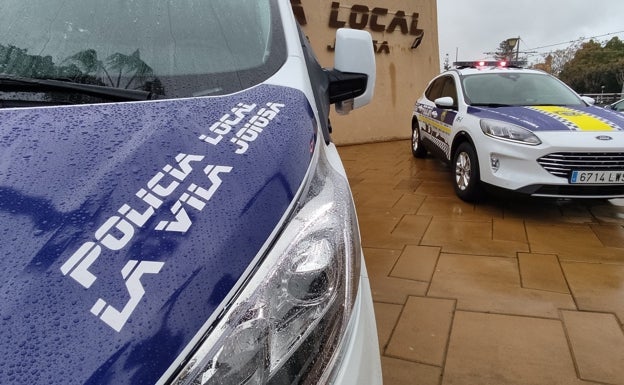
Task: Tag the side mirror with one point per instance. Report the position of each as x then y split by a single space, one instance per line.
352 81
444 102
588 100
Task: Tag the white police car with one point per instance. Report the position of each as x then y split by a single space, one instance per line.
521 130
172 209
616 106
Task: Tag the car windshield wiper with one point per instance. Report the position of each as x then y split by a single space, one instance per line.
491 105
15 83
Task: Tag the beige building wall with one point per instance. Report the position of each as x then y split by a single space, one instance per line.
405 33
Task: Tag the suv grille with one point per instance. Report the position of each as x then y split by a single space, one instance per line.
562 163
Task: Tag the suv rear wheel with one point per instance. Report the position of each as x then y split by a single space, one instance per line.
467 180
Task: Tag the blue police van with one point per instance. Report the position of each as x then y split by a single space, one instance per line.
172 207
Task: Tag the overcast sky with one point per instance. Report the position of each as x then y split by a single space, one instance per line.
468 29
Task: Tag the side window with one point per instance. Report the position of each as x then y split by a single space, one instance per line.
619 106
442 86
435 89
450 90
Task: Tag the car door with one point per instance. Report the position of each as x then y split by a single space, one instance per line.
436 121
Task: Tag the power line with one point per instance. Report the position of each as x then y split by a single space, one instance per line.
580 39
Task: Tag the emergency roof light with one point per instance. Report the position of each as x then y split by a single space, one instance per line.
486 63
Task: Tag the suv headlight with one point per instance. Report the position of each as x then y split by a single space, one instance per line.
508 131
290 318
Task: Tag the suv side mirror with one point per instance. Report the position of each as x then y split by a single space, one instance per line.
444 102
588 100
352 81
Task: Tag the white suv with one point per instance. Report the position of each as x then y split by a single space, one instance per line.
504 127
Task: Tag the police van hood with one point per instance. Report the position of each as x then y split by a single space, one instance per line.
554 118
124 226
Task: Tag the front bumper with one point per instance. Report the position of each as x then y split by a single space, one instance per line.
360 362
515 167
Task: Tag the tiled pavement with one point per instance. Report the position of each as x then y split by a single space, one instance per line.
510 291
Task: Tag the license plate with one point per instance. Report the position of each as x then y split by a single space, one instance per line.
597 177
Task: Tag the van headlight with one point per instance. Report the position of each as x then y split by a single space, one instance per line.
288 322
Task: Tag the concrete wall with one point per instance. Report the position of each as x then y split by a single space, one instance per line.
406 40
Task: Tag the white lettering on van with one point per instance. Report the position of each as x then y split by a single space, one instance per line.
250 130
118 230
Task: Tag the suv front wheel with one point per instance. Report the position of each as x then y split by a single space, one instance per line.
467 180
418 150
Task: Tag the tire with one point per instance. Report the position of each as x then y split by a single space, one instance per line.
418 150
467 181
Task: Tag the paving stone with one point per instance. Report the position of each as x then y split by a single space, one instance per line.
384 200
548 239
416 263
436 189
572 243
396 290
597 343
411 229
542 272
501 349
492 284
377 220
509 230
409 203
401 372
432 172
387 229
408 185
610 235
421 334
532 210
376 228
597 287
379 262
446 230
574 213
469 236
452 207
611 211
386 315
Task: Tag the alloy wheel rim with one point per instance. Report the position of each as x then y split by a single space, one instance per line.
462 171
415 139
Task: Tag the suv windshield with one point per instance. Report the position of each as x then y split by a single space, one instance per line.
517 89
166 48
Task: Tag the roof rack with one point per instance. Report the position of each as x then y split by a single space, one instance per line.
486 63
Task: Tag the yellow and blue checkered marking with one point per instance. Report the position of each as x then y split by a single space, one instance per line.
577 120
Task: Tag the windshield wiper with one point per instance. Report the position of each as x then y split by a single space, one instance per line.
14 83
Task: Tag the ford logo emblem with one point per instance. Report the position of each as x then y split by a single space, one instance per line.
604 137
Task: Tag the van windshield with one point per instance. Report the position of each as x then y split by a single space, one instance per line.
168 48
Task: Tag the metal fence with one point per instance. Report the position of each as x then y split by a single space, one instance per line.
603 99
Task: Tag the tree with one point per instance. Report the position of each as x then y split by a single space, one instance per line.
505 50
447 65
595 66
129 66
555 61
130 71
